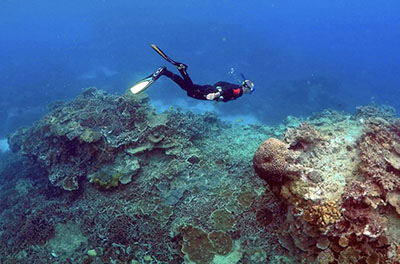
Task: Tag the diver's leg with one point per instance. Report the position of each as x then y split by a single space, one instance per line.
176 78
182 70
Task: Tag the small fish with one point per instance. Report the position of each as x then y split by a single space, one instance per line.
238 120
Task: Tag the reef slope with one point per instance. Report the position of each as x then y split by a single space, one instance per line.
136 186
124 184
339 177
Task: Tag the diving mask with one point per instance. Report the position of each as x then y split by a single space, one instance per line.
249 85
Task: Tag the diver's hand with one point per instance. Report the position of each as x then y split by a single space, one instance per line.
213 96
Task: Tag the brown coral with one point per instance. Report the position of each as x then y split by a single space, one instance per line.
221 242
325 257
322 215
350 256
201 247
196 245
264 217
270 160
222 219
360 219
246 198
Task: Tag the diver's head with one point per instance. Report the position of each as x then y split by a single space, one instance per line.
247 87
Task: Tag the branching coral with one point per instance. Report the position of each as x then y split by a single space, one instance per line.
36 230
119 229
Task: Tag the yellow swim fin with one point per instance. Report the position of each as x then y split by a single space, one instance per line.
162 54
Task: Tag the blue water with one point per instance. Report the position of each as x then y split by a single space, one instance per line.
303 56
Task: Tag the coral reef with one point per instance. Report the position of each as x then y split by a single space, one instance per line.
36 230
126 184
271 160
83 137
200 247
133 181
119 229
322 215
339 178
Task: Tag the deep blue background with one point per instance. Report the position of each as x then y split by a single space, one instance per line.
304 56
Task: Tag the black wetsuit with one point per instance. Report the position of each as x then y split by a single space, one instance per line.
229 91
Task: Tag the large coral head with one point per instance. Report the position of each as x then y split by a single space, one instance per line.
270 160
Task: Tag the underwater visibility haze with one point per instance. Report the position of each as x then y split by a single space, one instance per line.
305 169
303 57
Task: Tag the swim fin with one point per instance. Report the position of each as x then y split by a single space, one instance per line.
145 83
162 54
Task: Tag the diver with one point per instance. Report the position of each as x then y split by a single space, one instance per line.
221 91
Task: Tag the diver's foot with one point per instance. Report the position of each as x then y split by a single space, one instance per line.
181 66
157 74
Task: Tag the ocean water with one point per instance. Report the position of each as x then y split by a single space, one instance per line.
302 56
195 175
